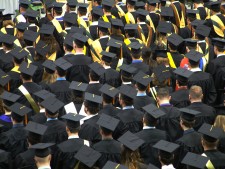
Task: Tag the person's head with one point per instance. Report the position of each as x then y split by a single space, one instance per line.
195 94
148 120
218 49
71 127
186 124
220 122
163 95
67 48
43 161
49 114
209 145
25 77
166 158
78 97
141 87
96 2
107 99
150 7
105 132
7 46
48 78
93 76
91 107
60 72
125 100
17 61
82 11
16 118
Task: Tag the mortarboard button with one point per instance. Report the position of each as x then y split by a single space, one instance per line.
162 73
4 78
107 56
30 35
128 91
175 39
108 122
109 90
44 94
87 156
79 86
188 114
127 70
153 111
194 55
131 141
27 68
36 128
72 120
49 66
22 26
20 109
97 68
167 11
63 64
164 27
52 105
31 13
113 165
42 149
93 98
203 30
19 53
42 48
109 3
142 78
47 29
97 11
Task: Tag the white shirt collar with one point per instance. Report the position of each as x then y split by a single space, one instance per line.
220 55
126 83
106 36
148 127
93 82
42 110
44 167
88 117
72 137
168 166
68 28
79 53
201 41
57 17
195 69
141 23
94 23
107 67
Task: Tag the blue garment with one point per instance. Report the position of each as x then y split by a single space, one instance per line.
61 78
17 125
141 94
189 131
201 64
166 104
49 119
5 118
128 107
136 61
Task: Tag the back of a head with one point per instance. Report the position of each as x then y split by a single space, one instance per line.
220 122
195 93
163 93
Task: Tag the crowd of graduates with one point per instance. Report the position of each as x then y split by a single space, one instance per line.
112 84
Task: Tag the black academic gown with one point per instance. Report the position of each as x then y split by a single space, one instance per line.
202 12
93 88
80 70
205 81
25 160
110 151
141 66
185 32
37 77
141 101
111 77
6 62
5 160
221 146
15 81
14 140
39 118
109 109
180 98
64 156
93 31
90 130
155 18
210 23
5 120
177 57
216 157
207 115
189 142
151 136
170 122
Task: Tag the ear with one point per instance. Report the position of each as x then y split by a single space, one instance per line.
169 97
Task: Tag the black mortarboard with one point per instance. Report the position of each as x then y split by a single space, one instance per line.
203 30
107 56
197 22
30 35
191 42
24 3
182 74
42 149
93 98
82 7
108 122
68 40
44 94
52 105
109 90
188 114
127 70
153 111
47 29
80 37
195 160
162 73
135 47
219 42
22 26
19 53
131 141
215 5
49 66
48 4
194 55
4 78
114 43
131 2
191 13
160 53
31 13
109 3
210 133
117 23
20 109
72 3
42 48
87 156
78 30
151 166
166 148
72 120
140 5
167 11
128 91
164 27
79 86
27 68
175 39
9 98
142 12
69 17
104 26
7 16
36 128
113 165
97 68
63 64
131 27
57 6
150 2
142 78
97 11
6 38
1 10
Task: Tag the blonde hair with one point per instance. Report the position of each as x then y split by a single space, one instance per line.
8 22
161 60
48 78
220 122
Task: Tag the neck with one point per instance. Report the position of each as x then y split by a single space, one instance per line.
131 9
220 53
164 102
210 148
79 50
26 81
72 134
104 137
197 100
43 164
13 122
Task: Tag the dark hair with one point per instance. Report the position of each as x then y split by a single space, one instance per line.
126 78
78 97
60 71
200 37
28 43
58 12
8 46
131 33
18 61
220 49
141 87
95 17
106 131
68 24
82 12
149 120
107 98
94 76
72 129
162 93
166 158
127 100
34 138
142 18
25 76
172 46
68 47
79 44
188 124
17 118
93 108
193 63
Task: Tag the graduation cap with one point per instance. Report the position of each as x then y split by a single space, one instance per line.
78 30
69 17
97 68
4 78
164 27
153 111
9 98
107 56
203 30
127 70
52 105
108 122
24 3
128 91
22 26
97 11
8 39
197 22
135 47
42 149
140 5
79 86
108 3
63 64
175 39
93 98
19 53
82 7
47 29
72 3
42 48
31 13
141 12
182 74
7 16
1 10
167 11
142 78
49 66
113 165
152 2
219 42
80 37
30 35
214 5
27 68
117 23
109 90
131 2
191 13
114 43
195 160
131 141
57 6
162 73
104 26
191 42
20 109
188 114
130 27
36 130
48 4
72 120
68 40
210 133
194 56
160 53
44 94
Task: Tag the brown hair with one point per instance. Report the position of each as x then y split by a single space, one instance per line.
8 22
48 78
161 60
220 122
195 92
